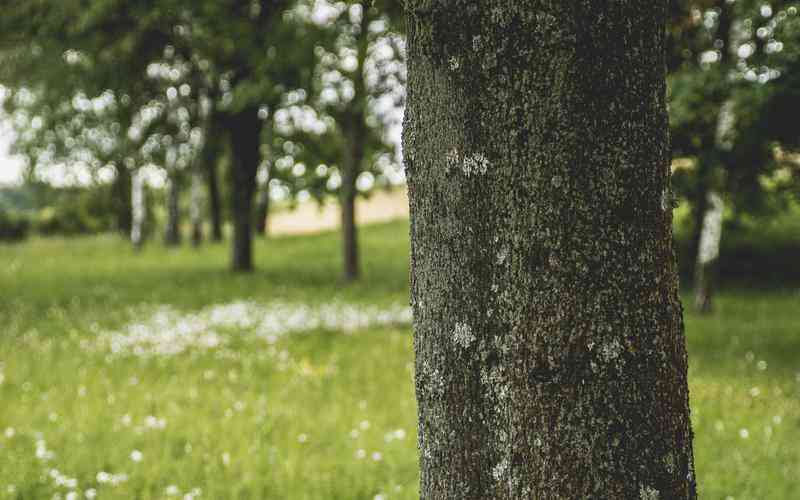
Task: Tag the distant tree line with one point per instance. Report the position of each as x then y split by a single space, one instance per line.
236 103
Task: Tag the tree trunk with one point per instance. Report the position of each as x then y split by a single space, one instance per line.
550 354
138 210
348 213
196 208
699 205
172 234
709 205
262 203
355 130
245 133
122 190
211 154
710 227
262 210
708 253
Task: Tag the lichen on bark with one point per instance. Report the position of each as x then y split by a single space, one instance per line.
571 381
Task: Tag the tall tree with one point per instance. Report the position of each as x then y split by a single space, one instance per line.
730 63
264 177
353 121
253 49
244 128
550 354
138 210
172 229
360 68
196 207
210 159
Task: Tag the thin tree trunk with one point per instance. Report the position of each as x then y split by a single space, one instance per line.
262 203
710 206
262 210
245 133
713 206
122 190
550 354
698 210
196 208
354 128
172 234
348 213
210 157
138 210
708 253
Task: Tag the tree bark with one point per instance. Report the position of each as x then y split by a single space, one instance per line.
550 354
347 200
262 203
172 234
211 154
699 200
354 128
709 205
196 208
138 210
262 210
245 134
708 253
122 190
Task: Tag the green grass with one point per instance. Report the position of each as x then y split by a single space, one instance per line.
316 415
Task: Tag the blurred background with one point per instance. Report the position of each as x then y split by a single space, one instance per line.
204 247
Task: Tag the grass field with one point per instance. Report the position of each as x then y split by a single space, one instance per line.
160 375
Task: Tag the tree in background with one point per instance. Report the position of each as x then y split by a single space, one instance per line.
255 52
67 54
725 70
359 76
233 44
550 354
208 162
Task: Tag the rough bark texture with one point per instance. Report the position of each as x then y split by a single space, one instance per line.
172 233
550 355
138 210
354 129
245 133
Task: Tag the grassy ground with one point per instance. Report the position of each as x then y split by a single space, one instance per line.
323 414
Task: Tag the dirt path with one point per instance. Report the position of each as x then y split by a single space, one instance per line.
309 217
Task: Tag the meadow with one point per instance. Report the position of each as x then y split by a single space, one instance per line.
160 375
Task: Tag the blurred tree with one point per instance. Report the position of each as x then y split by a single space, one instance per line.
357 92
778 117
196 208
139 210
255 53
550 354
723 77
212 153
66 53
265 175
73 49
13 227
